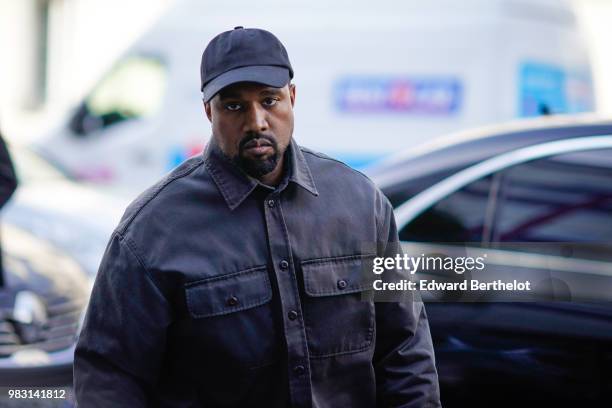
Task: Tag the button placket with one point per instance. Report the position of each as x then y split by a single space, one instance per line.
300 387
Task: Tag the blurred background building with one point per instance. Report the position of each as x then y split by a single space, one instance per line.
54 50
511 56
595 17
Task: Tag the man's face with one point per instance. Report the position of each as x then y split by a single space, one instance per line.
253 124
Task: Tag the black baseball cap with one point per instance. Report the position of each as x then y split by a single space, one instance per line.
243 55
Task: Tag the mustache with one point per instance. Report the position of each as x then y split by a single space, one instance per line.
252 139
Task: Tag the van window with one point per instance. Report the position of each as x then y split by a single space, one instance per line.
461 217
133 89
565 198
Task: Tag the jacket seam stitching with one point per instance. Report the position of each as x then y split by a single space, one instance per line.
347 291
342 258
158 190
366 346
225 276
312 188
218 179
337 161
379 224
296 290
131 246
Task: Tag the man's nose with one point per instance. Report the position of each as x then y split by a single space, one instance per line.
256 119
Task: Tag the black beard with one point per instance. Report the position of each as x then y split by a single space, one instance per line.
254 167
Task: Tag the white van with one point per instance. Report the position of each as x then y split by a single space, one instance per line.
372 78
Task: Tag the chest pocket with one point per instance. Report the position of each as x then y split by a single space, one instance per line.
230 319
226 294
337 320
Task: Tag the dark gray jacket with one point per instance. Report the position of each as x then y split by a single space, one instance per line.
216 291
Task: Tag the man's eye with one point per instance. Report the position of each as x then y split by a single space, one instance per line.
233 106
270 101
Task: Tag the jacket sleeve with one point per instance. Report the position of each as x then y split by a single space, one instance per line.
119 353
404 361
8 179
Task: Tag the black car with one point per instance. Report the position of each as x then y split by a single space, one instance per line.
41 305
536 196
53 236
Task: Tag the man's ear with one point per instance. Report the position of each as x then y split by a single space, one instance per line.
292 94
208 110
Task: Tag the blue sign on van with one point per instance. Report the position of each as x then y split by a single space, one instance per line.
547 89
542 89
398 94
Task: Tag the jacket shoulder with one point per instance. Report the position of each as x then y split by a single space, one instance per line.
323 164
152 195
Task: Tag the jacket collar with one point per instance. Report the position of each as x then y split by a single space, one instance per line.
235 185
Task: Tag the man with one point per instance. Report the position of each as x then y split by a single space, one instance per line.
8 185
236 280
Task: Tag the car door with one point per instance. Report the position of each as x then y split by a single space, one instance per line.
464 210
542 213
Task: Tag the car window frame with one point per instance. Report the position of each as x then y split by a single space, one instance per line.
412 208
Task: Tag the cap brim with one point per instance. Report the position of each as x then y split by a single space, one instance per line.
273 76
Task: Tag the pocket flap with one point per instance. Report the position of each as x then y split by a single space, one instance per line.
336 276
225 294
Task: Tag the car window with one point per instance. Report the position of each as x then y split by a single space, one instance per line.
460 217
133 89
564 198
399 193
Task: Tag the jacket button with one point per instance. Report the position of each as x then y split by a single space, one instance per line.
271 203
232 301
293 315
284 264
299 370
342 284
